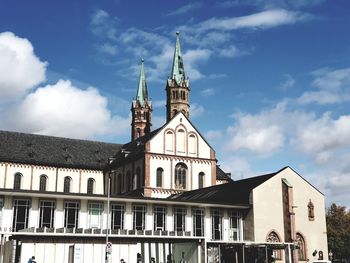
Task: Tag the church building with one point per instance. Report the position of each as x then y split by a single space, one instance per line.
161 197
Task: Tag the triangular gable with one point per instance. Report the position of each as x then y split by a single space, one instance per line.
178 115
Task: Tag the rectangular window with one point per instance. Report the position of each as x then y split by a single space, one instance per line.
118 216
179 219
216 224
20 214
95 215
71 214
198 222
139 217
159 218
47 213
235 225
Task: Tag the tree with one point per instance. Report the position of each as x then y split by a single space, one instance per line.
338 231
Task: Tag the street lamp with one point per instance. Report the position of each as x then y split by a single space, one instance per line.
107 227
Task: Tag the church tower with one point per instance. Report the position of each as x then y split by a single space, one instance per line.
178 87
141 109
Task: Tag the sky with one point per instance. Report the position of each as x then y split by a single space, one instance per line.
270 80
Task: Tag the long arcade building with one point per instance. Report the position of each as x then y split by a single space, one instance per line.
169 200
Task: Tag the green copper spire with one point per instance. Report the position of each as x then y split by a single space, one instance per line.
142 93
178 70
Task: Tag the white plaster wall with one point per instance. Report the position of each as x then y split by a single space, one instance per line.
169 168
50 172
25 170
268 212
157 142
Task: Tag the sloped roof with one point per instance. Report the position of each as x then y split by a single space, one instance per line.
221 175
231 193
55 151
131 151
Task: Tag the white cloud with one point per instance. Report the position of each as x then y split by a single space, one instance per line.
207 92
214 134
271 3
322 137
65 110
185 9
103 25
333 87
238 167
288 83
20 68
196 110
191 60
261 20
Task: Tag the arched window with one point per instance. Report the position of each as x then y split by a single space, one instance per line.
169 141
180 140
17 181
302 247
311 212
90 186
67 183
180 176
192 144
159 179
201 180
274 238
43 183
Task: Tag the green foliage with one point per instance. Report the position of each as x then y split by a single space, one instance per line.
338 231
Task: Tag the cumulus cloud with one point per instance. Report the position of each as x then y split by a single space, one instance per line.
324 136
65 110
61 109
333 87
20 68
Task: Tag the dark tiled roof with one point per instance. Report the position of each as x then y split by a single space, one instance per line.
231 193
55 151
221 175
131 151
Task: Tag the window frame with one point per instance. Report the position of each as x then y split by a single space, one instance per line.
17 181
159 177
67 184
90 186
198 231
43 205
180 213
139 210
118 210
159 212
67 210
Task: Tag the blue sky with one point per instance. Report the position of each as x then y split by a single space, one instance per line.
270 80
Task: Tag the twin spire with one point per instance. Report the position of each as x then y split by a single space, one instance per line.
142 93
177 96
178 70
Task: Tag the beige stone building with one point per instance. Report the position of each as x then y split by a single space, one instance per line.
159 198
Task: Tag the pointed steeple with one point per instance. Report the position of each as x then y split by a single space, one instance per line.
178 86
142 93
178 70
141 109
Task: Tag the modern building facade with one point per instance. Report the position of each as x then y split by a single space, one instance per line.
159 198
